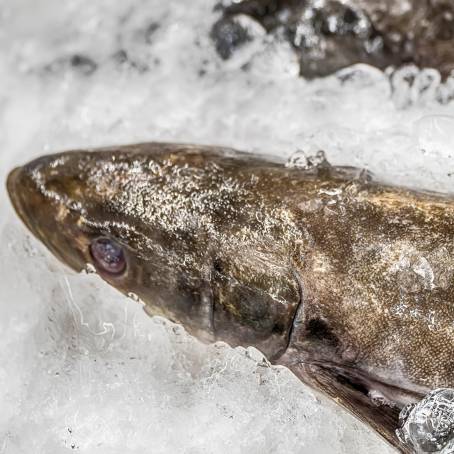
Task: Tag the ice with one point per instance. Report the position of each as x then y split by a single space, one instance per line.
429 425
83 368
329 35
303 161
229 34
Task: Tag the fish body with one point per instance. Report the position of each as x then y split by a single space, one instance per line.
347 282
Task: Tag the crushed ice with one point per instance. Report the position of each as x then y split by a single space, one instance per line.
305 161
429 425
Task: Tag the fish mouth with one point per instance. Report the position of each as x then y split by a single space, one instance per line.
368 398
40 217
16 193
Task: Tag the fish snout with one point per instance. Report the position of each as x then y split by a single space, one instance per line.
22 196
43 210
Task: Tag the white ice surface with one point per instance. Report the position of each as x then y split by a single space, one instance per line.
81 367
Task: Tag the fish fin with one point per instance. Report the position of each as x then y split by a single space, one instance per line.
384 419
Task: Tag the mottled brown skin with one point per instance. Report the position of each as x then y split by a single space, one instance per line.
333 34
346 282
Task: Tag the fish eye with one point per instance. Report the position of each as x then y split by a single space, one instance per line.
108 256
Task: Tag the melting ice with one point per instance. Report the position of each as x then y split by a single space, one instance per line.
429 425
83 368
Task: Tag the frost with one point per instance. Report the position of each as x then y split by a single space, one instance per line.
414 272
302 160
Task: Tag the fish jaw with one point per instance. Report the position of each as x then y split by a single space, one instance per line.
15 196
43 215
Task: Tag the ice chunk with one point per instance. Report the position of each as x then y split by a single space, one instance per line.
449 448
302 160
231 32
429 425
329 34
435 133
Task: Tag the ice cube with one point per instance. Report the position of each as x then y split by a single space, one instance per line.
429 425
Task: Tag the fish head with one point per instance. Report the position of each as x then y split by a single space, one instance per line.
168 225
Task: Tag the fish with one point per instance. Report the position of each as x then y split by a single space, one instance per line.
330 35
347 282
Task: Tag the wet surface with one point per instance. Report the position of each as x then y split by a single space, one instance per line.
429 425
329 35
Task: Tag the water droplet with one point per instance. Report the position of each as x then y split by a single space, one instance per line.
89 269
301 160
135 298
